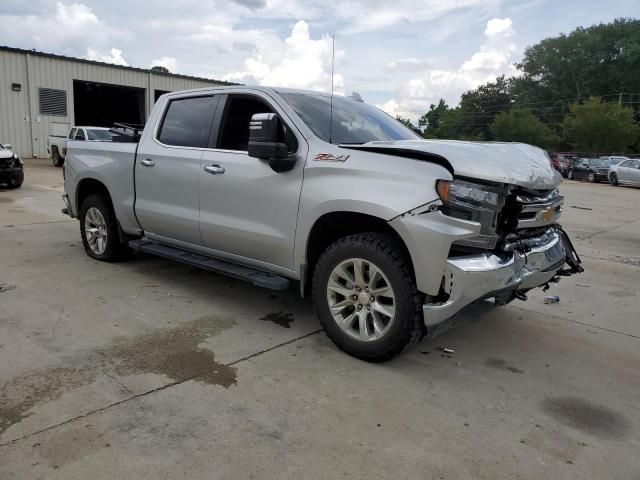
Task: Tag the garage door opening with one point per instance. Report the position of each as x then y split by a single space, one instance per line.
102 105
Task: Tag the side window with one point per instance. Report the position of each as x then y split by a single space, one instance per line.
234 132
80 135
636 164
187 122
72 133
627 163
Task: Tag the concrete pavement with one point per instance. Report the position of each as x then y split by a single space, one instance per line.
150 369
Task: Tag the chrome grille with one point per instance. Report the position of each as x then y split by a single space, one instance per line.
538 208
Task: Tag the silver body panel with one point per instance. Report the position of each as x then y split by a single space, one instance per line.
252 215
627 175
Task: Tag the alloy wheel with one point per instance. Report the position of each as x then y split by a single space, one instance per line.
95 228
361 299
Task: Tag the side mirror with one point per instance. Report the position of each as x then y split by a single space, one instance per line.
263 137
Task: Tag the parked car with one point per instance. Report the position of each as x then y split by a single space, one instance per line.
590 169
11 167
615 159
562 161
626 172
391 234
57 146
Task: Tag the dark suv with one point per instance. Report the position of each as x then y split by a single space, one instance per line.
590 169
11 171
562 161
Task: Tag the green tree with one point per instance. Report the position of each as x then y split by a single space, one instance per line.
600 60
406 122
521 125
431 120
479 107
601 127
160 69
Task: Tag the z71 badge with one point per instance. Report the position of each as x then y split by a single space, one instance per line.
330 157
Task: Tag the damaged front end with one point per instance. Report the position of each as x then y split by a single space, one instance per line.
518 246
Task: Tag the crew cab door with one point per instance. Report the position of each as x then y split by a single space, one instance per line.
248 212
167 170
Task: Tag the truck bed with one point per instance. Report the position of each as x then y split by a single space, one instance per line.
111 163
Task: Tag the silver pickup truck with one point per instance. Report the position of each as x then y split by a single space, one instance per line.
389 233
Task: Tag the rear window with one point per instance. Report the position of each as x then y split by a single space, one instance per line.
187 122
95 134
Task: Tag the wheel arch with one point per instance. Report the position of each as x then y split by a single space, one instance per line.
334 225
91 186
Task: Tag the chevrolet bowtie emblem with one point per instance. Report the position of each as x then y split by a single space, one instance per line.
545 215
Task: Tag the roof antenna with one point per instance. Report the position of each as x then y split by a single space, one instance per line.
333 61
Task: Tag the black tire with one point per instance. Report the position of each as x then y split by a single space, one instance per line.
114 250
570 175
591 177
17 180
613 179
388 255
57 160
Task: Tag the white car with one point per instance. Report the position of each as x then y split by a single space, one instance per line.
57 146
626 172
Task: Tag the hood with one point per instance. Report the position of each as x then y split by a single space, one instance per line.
513 163
5 153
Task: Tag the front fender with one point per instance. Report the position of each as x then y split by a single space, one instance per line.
428 237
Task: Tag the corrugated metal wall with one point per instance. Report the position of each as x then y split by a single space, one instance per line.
21 123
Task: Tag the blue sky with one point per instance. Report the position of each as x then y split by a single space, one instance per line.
400 55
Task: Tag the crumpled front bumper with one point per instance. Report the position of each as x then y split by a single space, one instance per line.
471 278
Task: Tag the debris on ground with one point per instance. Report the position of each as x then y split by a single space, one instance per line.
581 208
552 299
6 287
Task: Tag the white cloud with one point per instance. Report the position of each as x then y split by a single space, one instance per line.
170 63
114 56
494 57
66 28
298 62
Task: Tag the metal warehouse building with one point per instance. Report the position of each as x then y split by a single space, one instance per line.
43 94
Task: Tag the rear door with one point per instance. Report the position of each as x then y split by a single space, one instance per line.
634 172
248 212
167 170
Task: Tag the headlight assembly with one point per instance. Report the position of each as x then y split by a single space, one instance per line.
477 202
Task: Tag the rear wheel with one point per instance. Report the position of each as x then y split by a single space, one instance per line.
365 295
591 177
99 229
613 179
57 160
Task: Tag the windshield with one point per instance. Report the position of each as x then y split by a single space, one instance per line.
353 122
599 162
95 134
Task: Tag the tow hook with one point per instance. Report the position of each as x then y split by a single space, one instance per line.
520 295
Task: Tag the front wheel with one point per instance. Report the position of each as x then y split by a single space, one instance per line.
366 298
591 177
99 229
613 179
570 175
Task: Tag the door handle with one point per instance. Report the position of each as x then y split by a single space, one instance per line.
214 169
147 162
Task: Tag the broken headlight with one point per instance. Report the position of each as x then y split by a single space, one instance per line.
478 202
